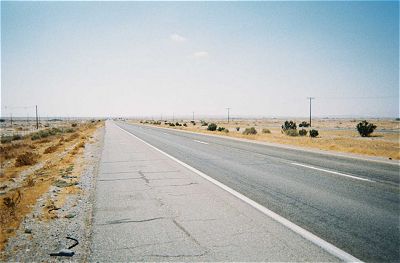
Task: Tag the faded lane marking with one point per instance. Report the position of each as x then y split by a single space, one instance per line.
333 172
200 142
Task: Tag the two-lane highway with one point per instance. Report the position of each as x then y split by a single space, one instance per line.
351 203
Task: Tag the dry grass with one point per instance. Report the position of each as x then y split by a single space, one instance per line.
17 202
337 135
51 149
27 158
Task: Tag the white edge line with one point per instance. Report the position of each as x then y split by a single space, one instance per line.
200 142
335 251
334 172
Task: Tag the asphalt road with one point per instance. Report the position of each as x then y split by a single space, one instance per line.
351 203
150 208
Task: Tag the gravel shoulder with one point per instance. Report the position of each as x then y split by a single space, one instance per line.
42 233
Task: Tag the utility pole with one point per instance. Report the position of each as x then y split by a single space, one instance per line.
228 113
11 119
310 98
37 119
193 116
173 117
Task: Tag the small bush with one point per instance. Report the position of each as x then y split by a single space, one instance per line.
304 124
220 129
11 202
265 131
291 132
16 137
314 133
6 139
250 131
69 130
302 132
171 124
50 149
365 129
28 158
74 124
35 136
203 123
193 122
185 125
212 127
237 128
289 125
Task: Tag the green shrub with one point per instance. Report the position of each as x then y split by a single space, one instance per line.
193 122
74 124
203 123
304 124
365 129
249 131
265 130
302 132
69 130
212 127
16 137
289 125
185 125
220 129
35 136
6 139
171 124
237 128
314 133
291 132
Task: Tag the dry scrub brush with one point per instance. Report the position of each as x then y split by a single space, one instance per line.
28 158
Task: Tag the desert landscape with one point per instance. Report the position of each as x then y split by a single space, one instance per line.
41 166
338 135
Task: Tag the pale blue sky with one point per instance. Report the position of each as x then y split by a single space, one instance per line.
152 58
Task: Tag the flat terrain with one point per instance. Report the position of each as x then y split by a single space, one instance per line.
41 161
352 203
338 135
151 208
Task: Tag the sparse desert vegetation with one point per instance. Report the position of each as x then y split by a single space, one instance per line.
34 162
340 135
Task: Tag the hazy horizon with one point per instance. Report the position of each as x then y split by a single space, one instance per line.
125 59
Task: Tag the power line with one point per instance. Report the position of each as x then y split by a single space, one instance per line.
377 97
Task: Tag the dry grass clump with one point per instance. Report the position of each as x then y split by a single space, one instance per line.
72 137
51 149
10 204
28 158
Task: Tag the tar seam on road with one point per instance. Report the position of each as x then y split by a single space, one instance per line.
330 248
333 172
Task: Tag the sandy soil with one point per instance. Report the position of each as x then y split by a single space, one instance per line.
49 181
338 135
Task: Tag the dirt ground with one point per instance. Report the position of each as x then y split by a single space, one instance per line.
31 165
338 135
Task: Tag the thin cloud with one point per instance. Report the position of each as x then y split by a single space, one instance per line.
177 38
200 54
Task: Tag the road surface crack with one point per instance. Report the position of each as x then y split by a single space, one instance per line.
127 220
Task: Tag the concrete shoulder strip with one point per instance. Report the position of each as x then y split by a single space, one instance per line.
297 229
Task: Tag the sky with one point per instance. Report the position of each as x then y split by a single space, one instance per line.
163 58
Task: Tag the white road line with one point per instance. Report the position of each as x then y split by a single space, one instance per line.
200 142
330 248
333 172
165 133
